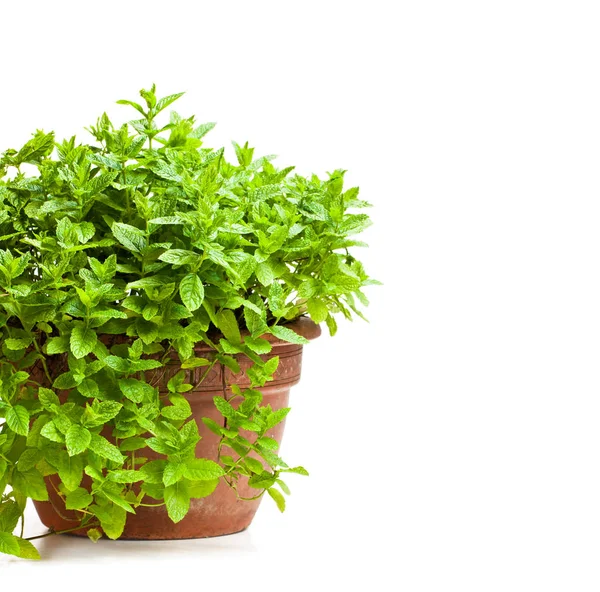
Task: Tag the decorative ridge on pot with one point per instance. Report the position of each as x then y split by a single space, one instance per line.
155 299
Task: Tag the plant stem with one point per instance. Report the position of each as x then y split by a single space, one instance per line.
41 536
43 360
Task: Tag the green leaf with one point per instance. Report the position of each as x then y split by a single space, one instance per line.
177 499
191 291
180 257
202 130
78 499
286 334
283 486
212 425
38 147
112 519
258 345
89 388
94 535
118 364
166 101
277 497
153 471
146 330
173 473
265 274
9 544
254 465
263 480
130 237
276 417
67 380
202 469
48 398
195 363
57 345
227 323
268 443
17 419
297 470
125 476
102 447
133 443
27 550
31 484
10 514
200 489
77 439
52 433
83 341
161 446
224 407
180 408
17 344
317 310
136 106
70 469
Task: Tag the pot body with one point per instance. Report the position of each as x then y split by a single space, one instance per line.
221 512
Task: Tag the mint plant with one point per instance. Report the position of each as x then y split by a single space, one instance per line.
114 255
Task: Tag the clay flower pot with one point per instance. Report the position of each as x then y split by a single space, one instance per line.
220 513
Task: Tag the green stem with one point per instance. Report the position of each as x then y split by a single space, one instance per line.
65 531
43 360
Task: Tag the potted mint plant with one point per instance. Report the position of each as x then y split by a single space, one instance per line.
154 302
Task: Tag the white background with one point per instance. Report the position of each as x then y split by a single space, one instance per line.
453 441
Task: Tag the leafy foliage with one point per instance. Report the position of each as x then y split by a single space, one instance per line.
160 243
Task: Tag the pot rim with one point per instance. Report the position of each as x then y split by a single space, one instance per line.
303 326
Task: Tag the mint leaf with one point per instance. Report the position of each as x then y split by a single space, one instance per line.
195 363
286 334
83 341
48 398
78 499
180 257
200 489
130 237
17 419
136 390
9 544
177 499
227 322
202 469
317 310
57 345
173 473
191 291
94 535
112 519
278 498
258 345
102 447
31 484
17 344
77 439
27 550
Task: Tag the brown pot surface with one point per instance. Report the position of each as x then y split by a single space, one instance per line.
220 513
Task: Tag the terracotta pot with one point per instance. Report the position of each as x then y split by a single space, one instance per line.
220 513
